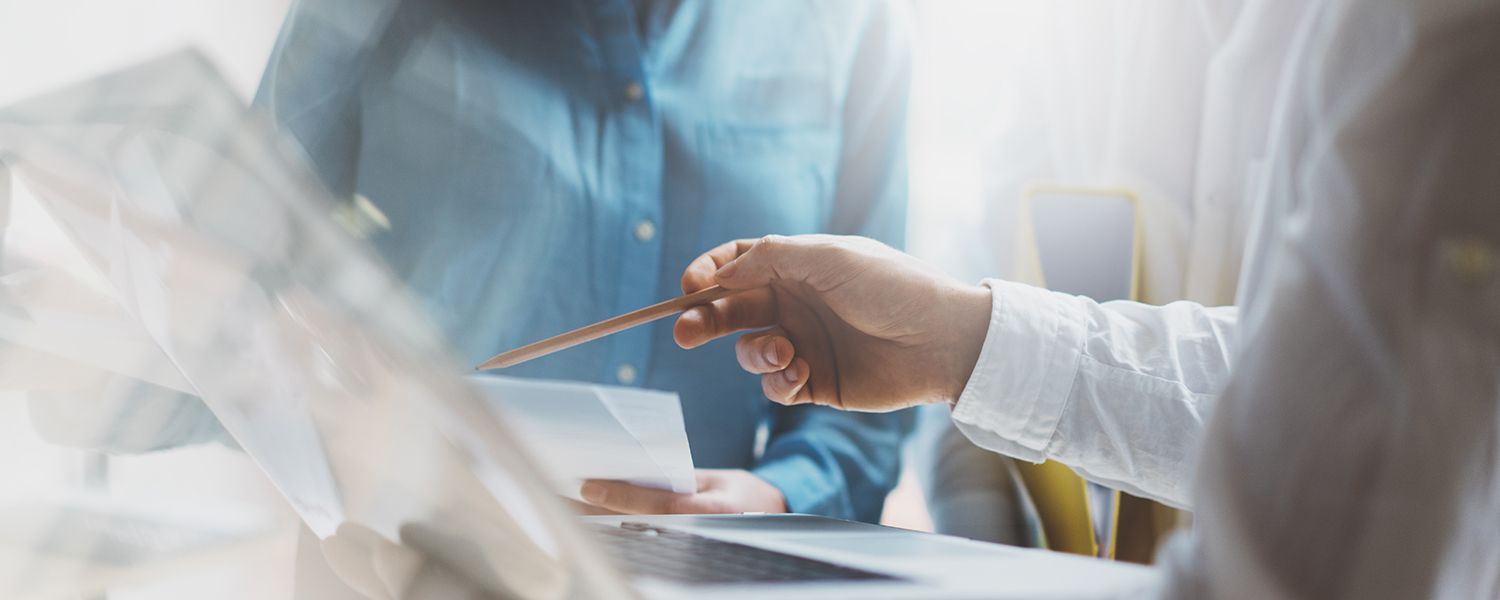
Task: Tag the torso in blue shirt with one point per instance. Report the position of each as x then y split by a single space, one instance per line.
544 165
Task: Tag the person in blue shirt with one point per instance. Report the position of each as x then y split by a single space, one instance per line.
547 164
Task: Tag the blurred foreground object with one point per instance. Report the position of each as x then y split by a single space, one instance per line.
217 272
83 545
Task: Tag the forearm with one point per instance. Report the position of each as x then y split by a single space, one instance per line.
1118 391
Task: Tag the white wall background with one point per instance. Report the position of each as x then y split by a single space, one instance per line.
958 89
46 43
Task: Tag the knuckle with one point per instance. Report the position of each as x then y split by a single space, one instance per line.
768 387
769 244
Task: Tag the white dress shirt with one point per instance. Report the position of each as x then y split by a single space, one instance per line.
1353 450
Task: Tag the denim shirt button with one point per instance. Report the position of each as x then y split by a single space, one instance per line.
634 92
625 374
645 231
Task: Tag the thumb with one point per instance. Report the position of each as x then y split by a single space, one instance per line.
810 259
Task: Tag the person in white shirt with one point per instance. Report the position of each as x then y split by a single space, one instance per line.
1352 450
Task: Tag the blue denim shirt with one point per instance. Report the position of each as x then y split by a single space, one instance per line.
547 164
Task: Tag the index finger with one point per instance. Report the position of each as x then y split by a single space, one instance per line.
700 273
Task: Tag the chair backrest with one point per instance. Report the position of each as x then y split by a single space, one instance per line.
1082 241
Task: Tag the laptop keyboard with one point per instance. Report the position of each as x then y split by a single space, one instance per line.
662 553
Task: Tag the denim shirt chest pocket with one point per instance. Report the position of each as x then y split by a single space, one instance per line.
769 167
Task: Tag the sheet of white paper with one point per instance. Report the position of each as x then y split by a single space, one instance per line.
655 420
579 431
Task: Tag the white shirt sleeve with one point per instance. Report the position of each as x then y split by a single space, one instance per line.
1118 391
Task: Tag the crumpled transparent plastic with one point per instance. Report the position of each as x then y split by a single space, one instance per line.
222 276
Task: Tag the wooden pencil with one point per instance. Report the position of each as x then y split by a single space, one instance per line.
603 328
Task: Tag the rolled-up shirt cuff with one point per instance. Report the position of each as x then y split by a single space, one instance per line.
1026 370
803 484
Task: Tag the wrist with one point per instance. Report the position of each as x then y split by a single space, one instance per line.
968 325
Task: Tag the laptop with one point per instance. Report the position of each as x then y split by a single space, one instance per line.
255 283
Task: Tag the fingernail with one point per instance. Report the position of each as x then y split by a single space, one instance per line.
592 492
790 373
770 354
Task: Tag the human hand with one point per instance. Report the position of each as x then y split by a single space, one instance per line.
852 323
719 491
